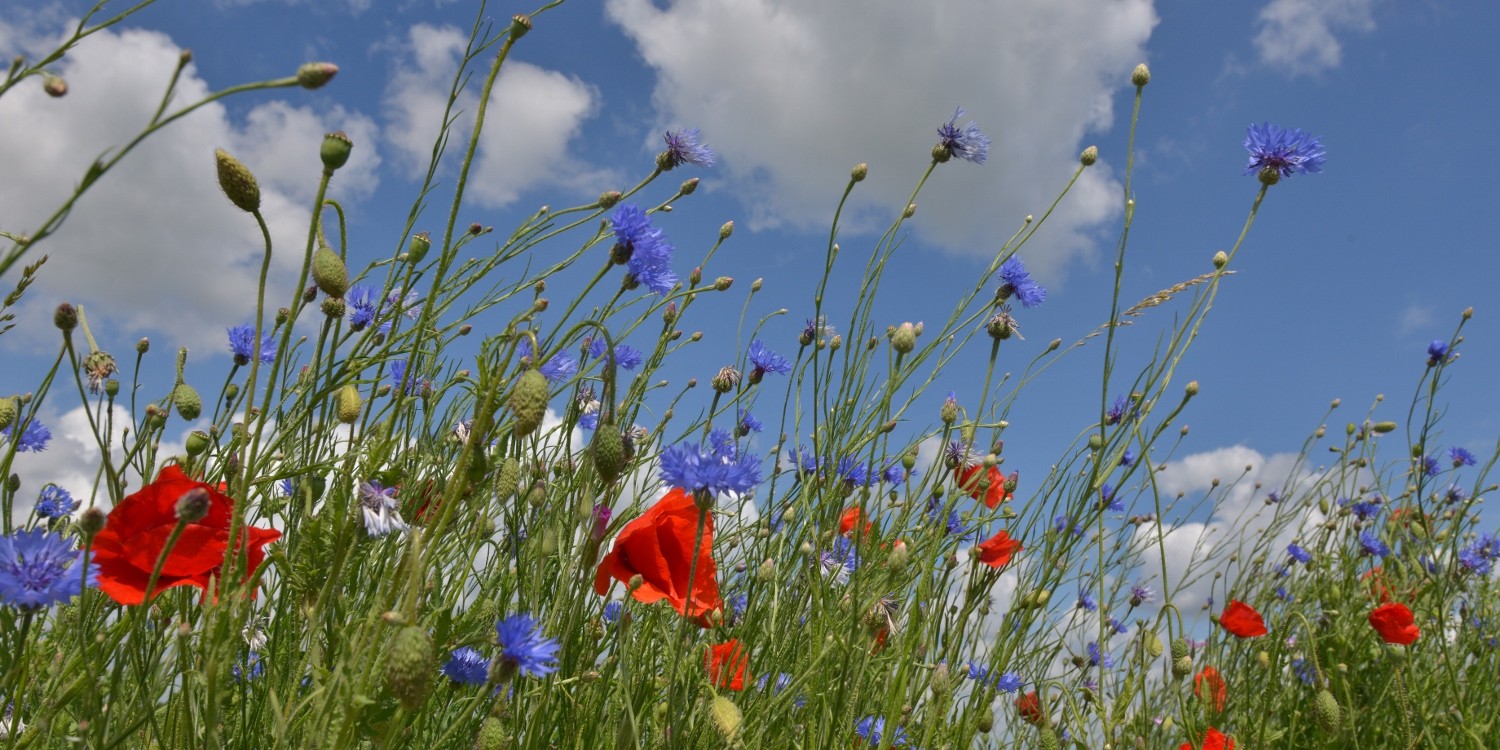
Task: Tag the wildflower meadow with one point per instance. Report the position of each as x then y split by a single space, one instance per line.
479 488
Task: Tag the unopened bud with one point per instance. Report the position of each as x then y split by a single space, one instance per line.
1140 76
193 505
314 74
723 283
237 182
55 86
688 186
65 317
92 522
726 230
1221 259
860 171
1089 156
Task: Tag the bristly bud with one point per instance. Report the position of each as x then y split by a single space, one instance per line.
1221 259
1180 648
609 199
237 182
1001 325
609 452
193 505
1089 156
520 23
860 171
334 307
9 408
92 522
1326 710
55 86
904 338
347 404
529 402
1269 176
98 365
1140 76
492 734
948 412
197 442
1182 666
726 230
410 666
726 380
314 74
727 717
688 186
189 403
329 271
723 283
335 150
65 317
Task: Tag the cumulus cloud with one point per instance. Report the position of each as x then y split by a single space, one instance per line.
534 115
793 94
1301 36
154 247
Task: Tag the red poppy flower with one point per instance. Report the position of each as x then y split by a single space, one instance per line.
1213 740
850 519
658 547
139 526
1209 680
1395 624
1242 621
971 479
996 551
726 663
1029 706
1378 584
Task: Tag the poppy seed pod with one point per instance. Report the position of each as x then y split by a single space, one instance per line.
417 249
335 150
237 182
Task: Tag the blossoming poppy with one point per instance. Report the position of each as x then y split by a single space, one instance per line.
658 547
137 530
1213 740
1242 621
850 519
1029 706
726 663
1395 624
997 550
972 481
1380 588
1208 680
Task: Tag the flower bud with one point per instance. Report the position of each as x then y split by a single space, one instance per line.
726 230
911 210
334 307
529 402
347 404
237 182
410 666
519 25
189 403
723 283
91 522
55 86
1269 176
860 171
1326 710
197 442
688 186
1192 388
329 272
314 74
1089 156
65 317
1140 76
1382 428
726 380
193 505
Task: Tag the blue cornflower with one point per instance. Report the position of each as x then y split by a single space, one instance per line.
523 648
400 380
1108 500
37 569
1128 459
560 367
1460 457
467 667
1437 352
1281 593
1009 682
1283 571
286 487
747 423
1476 557
34 437
967 143
1086 602
626 357
1116 411
252 668
364 304
1455 494
612 612
1363 510
1016 282
814 330
872 730
409 305
1117 626
589 420
242 345
718 470
1140 594
55 502
783 681
683 148
1372 544
1287 151
736 605
1098 656
955 524
1305 671
765 360
1430 466
978 672
1299 554
854 472
1273 497
958 455
839 561
807 461
1063 524
643 249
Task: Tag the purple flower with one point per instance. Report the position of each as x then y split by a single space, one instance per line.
467 667
1098 657
626 357
242 345
1141 594
559 368
839 561
814 330
1086 602
1009 682
968 143
1287 151
39 569
764 360
747 423
1116 411
379 506
894 475
55 502
1281 593
1430 466
683 148
252 668
364 304
1372 544
853 472
1363 510
524 649
1437 352
1455 494
717 470
1061 525
1299 554
612 611
871 729
643 249
1305 671
1118 627
1460 457
1128 459
409 382
1016 282
1108 500
1476 557
34 436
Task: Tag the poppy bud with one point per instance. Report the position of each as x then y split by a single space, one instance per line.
1140 76
189 403
329 272
727 717
1326 710
9 407
492 734
985 722
529 402
410 666
1221 259
92 522
335 150
609 452
314 74
1047 740
347 404
1182 666
636 581
237 182
767 571
193 505
1263 659
1153 645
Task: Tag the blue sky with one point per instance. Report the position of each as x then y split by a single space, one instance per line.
1345 278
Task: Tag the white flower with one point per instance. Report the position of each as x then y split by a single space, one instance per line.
379 505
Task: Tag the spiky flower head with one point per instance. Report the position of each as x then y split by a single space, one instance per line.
1282 151
643 249
715 469
683 148
523 649
1016 282
467 667
967 143
55 502
242 345
38 569
379 506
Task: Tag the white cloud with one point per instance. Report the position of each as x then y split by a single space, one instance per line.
1414 318
793 94
1299 36
533 116
154 247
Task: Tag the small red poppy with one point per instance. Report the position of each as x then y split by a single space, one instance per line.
1242 621
1209 680
658 547
1213 740
138 528
726 663
1395 624
850 519
971 480
997 550
1029 707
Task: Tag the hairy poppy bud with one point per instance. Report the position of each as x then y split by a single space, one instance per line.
9 407
237 182
329 272
609 452
1153 644
347 404
193 505
410 666
189 403
1182 666
491 735
529 402
314 74
1326 710
335 150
